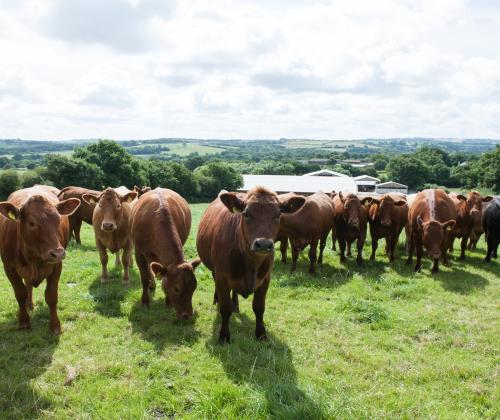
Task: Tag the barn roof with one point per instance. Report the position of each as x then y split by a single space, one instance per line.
300 184
324 172
366 178
392 184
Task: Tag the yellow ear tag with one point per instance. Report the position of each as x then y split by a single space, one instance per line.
130 199
11 215
235 210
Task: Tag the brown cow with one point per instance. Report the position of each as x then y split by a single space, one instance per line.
111 227
469 211
161 221
236 242
350 220
432 216
387 215
141 190
34 232
307 227
84 212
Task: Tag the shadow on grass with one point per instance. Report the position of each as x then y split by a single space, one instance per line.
160 326
82 247
460 281
26 355
108 297
265 366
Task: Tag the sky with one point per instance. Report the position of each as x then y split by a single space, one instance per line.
260 69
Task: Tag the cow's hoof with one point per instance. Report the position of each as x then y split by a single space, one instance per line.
104 279
224 339
56 330
24 325
126 282
359 261
261 337
145 304
30 306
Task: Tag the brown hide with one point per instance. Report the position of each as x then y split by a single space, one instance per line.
161 221
34 231
432 215
236 242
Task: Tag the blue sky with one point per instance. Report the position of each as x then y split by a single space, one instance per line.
237 69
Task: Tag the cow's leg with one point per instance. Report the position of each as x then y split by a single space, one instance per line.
118 263
419 246
313 248
77 225
103 255
495 248
225 309
216 300
236 303
342 245
295 256
349 243
322 245
283 249
51 292
21 297
392 240
463 246
334 239
410 247
126 257
360 244
259 306
146 279
374 247
452 241
435 266
29 297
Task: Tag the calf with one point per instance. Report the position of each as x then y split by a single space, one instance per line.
307 227
432 216
82 214
387 215
161 222
34 232
235 241
469 210
111 227
491 226
350 221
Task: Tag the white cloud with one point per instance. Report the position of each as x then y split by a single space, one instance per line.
267 68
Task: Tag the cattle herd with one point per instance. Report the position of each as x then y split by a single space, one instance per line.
235 241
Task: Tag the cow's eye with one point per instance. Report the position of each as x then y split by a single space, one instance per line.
177 291
247 215
31 224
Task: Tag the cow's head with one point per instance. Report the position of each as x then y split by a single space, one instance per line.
384 209
39 225
110 204
141 190
351 209
260 211
179 284
434 234
474 205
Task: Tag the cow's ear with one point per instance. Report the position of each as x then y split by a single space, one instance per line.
487 198
157 269
232 202
137 189
448 225
129 197
420 221
366 200
461 197
195 263
332 194
292 204
375 201
9 210
341 197
68 207
90 198
400 203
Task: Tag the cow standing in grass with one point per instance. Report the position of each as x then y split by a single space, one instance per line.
387 215
432 216
491 226
236 242
469 212
111 222
161 221
34 232
350 222
308 226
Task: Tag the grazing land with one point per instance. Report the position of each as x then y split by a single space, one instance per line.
376 341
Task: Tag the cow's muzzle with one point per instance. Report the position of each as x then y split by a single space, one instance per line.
108 227
262 246
55 255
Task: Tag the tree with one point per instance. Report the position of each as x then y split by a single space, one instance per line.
408 170
214 177
173 176
9 182
63 171
31 178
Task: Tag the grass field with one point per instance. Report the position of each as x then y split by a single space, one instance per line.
376 341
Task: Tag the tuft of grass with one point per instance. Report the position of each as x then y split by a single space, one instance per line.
350 342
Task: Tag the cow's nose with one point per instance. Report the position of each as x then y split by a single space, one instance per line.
263 245
354 223
108 226
386 222
57 254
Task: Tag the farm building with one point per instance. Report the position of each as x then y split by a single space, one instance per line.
366 183
324 172
391 187
304 185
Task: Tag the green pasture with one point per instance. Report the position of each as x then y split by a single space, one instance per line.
376 341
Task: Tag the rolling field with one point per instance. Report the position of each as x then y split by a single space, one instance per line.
376 341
